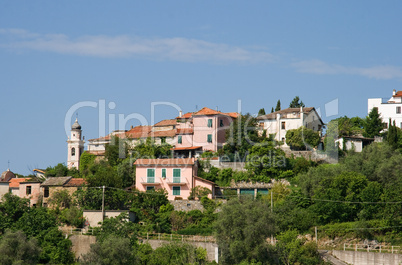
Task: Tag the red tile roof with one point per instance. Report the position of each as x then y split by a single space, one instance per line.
166 123
398 94
207 111
164 162
167 133
187 148
234 115
138 132
185 116
185 131
15 182
75 182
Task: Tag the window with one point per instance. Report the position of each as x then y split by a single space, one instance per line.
221 123
163 140
385 125
176 175
29 190
164 173
283 139
283 125
176 190
179 139
209 123
150 188
209 138
73 151
46 192
150 175
398 110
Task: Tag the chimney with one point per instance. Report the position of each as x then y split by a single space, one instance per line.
394 92
180 113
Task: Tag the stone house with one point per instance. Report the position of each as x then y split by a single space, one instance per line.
55 184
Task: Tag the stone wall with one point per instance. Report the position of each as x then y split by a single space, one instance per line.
211 248
81 244
367 258
187 205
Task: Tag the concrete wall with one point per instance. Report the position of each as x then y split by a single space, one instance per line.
367 258
4 188
94 217
81 244
212 248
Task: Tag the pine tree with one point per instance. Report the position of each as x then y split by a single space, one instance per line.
373 124
261 112
295 103
392 136
272 110
278 106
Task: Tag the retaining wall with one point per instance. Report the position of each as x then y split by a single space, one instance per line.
367 258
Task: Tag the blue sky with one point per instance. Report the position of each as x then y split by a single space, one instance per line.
55 54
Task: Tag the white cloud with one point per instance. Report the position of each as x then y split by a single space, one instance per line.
175 49
320 67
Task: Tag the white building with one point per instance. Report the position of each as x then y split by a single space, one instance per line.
388 108
75 146
279 122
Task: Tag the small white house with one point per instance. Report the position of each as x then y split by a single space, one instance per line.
279 122
356 143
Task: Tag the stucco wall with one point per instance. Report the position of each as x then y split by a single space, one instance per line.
201 131
386 110
35 192
4 188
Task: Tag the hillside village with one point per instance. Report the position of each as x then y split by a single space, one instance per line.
182 176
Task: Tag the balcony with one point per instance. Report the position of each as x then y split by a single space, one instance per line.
151 181
176 181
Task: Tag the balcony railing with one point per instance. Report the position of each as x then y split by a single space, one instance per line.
176 181
150 181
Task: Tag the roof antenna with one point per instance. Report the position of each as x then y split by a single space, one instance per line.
8 164
216 108
196 107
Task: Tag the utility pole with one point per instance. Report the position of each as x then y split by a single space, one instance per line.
316 238
272 202
103 203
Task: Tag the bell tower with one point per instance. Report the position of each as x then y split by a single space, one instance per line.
75 146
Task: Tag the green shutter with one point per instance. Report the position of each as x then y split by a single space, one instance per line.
176 190
209 122
163 172
209 138
179 140
176 175
150 175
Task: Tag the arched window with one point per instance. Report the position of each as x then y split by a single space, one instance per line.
73 151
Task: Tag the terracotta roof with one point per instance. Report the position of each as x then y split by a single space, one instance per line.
185 116
164 162
234 115
207 111
15 182
166 123
185 131
139 132
205 180
187 148
398 94
75 182
56 181
272 116
167 133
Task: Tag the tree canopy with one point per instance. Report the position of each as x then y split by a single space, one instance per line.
295 103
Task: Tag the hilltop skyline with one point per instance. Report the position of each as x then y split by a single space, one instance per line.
130 55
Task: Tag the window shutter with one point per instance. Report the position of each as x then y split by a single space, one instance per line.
209 122
209 139
179 140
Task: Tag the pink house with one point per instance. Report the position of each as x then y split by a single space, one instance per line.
204 130
177 176
25 188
